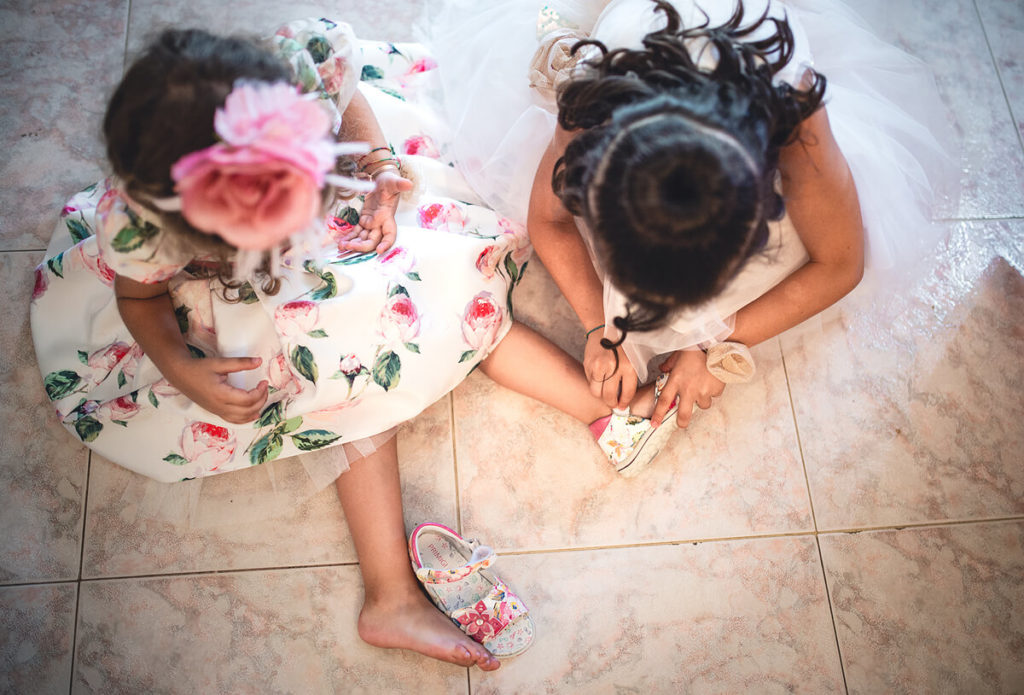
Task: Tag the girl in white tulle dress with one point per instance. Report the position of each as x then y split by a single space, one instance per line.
697 176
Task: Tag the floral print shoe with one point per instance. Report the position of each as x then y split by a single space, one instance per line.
629 441
455 574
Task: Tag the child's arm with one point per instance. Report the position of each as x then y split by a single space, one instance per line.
376 230
821 200
559 245
147 312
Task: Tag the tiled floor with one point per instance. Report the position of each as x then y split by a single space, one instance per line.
852 521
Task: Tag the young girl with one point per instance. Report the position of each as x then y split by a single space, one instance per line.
211 306
705 187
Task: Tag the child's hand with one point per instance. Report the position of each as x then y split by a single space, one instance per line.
615 386
376 229
205 382
689 379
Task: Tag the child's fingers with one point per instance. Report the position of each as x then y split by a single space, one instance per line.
387 237
626 393
227 365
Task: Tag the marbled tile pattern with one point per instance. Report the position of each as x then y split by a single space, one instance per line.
930 610
251 632
36 633
42 468
714 572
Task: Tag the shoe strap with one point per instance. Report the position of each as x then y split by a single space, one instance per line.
486 618
483 557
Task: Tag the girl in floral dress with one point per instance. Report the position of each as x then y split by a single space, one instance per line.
216 304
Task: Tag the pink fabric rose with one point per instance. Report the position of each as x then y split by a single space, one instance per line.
482 321
262 183
446 216
123 408
106 358
422 145
399 321
206 445
297 318
479 624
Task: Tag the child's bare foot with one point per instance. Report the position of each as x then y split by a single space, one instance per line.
412 622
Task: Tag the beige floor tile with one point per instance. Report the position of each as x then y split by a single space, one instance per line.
724 617
36 633
283 631
42 468
918 416
60 60
1004 27
138 526
929 610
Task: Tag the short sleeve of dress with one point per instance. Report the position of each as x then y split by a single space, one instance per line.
132 244
325 58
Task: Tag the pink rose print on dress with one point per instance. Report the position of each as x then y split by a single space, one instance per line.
481 324
333 74
518 240
399 263
280 376
399 321
350 365
96 265
106 358
164 389
487 261
205 446
422 145
444 216
41 284
339 230
120 409
297 318
422 65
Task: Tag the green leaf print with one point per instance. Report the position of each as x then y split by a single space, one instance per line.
467 355
271 415
181 314
350 215
195 352
247 295
371 72
314 439
88 428
131 238
413 276
266 448
175 459
302 359
83 357
398 289
121 380
510 266
78 230
319 49
327 290
387 370
120 422
56 265
289 425
412 347
153 399
318 333
61 383
357 259
308 76
391 92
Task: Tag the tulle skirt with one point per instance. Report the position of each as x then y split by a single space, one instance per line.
882 103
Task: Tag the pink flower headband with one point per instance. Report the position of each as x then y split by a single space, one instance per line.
261 184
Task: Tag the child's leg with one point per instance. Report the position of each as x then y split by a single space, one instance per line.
396 613
532 365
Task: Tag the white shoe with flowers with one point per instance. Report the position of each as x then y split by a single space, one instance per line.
629 441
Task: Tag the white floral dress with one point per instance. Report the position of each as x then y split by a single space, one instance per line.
352 345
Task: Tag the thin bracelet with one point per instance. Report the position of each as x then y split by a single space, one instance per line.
595 328
386 167
375 149
383 161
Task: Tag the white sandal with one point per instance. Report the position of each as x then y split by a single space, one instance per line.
631 442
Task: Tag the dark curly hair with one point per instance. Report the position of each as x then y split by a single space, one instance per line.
674 164
164 108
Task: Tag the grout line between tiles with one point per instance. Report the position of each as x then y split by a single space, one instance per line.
924 524
832 614
204 573
455 464
23 250
799 442
81 564
999 76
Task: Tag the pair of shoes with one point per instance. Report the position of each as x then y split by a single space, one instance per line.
454 573
631 442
